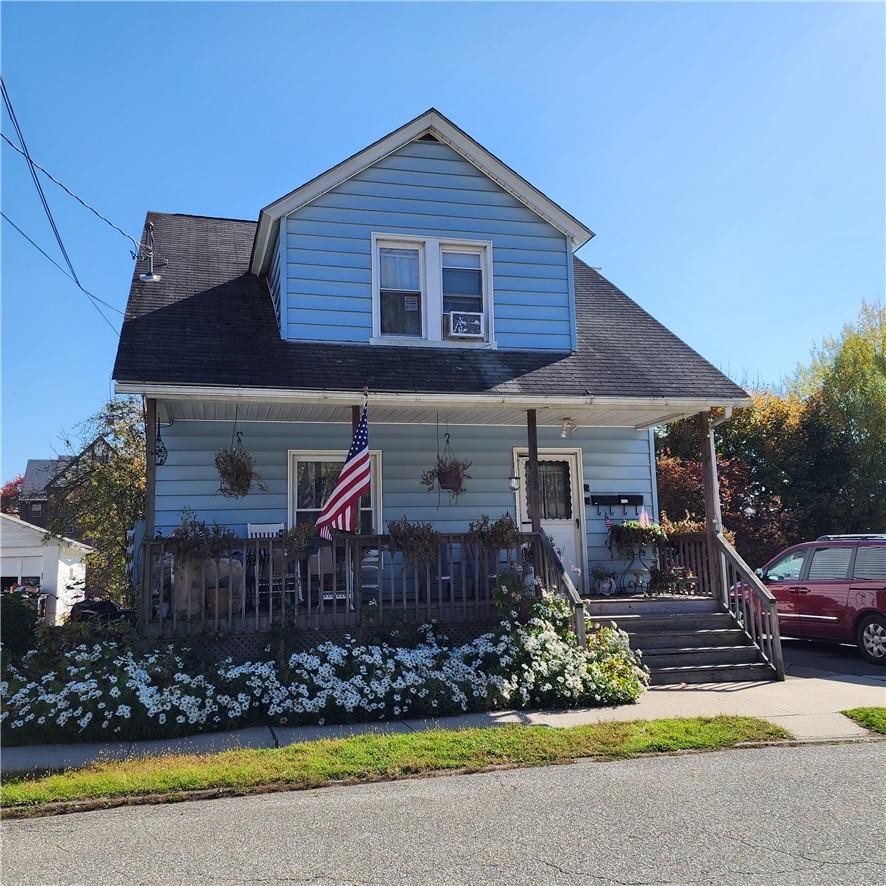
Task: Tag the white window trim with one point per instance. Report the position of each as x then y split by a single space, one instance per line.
295 455
431 269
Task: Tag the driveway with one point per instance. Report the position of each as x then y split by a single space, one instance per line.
774 816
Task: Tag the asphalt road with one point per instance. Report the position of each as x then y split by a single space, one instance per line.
803 815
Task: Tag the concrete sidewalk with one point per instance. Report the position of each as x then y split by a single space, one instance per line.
807 704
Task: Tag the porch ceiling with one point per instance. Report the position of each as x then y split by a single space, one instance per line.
549 415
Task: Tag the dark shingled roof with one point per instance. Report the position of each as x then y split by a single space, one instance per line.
209 322
39 473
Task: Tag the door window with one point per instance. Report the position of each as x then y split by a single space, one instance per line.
787 568
870 563
555 490
829 564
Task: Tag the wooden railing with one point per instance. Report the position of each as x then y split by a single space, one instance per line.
750 602
554 577
690 550
255 585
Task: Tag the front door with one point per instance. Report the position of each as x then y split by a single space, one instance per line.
561 501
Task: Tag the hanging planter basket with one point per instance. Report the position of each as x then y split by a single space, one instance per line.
236 468
448 475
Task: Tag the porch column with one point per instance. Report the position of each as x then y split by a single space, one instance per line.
532 471
150 464
713 513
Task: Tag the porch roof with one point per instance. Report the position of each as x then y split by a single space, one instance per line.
210 324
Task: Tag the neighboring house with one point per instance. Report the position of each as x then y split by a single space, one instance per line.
50 566
426 270
34 496
46 481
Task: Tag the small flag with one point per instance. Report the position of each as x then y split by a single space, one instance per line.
340 510
644 518
607 520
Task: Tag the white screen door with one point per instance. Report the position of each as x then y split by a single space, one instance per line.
561 501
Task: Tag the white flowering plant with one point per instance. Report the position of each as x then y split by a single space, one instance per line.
108 691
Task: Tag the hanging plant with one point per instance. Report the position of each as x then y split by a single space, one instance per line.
632 535
447 475
236 467
418 542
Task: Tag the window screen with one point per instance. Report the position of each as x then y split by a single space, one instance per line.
829 563
870 563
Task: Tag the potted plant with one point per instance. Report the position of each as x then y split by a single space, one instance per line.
418 542
604 579
300 540
236 471
448 474
501 534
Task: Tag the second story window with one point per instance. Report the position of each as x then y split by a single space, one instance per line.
400 291
429 290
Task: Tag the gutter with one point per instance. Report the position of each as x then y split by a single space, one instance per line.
348 398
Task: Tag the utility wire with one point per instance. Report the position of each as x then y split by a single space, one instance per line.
46 255
138 245
8 102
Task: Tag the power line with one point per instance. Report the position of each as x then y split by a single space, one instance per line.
46 255
8 102
137 244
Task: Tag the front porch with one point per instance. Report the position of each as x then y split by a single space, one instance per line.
543 462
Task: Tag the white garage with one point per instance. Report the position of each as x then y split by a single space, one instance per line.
54 564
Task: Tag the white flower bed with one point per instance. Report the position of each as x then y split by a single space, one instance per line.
104 691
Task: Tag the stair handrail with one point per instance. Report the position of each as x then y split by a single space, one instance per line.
566 587
750 602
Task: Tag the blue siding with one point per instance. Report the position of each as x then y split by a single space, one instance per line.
425 189
615 460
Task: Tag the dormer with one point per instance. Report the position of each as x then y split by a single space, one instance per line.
422 239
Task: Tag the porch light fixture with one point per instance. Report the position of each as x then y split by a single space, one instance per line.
514 482
567 426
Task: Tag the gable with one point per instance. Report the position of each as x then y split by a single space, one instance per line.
424 189
432 124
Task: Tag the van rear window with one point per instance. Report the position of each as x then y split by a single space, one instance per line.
870 562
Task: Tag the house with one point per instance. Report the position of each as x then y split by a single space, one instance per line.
51 567
426 271
34 495
47 479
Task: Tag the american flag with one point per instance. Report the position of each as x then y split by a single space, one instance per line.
607 520
340 510
644 517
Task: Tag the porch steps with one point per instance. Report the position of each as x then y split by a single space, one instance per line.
684 639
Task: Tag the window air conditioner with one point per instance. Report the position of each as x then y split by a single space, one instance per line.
463 324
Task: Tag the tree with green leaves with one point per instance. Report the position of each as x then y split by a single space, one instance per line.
101 493
799 463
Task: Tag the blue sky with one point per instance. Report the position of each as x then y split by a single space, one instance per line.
730 157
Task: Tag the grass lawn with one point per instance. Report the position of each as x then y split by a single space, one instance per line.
870 718
372 757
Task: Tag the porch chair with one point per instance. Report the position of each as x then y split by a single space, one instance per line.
264 530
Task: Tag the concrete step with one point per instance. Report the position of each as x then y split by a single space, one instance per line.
603 608
696 656
681 623
653 640
724 673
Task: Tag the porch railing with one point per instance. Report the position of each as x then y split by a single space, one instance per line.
555 578
690 550
750 602
254 585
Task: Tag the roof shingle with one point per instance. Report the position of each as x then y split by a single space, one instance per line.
209 322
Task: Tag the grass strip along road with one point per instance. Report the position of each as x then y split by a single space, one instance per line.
871 718
371 757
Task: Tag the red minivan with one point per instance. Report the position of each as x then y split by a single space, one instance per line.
833 588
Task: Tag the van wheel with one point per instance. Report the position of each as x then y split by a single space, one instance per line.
871 639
